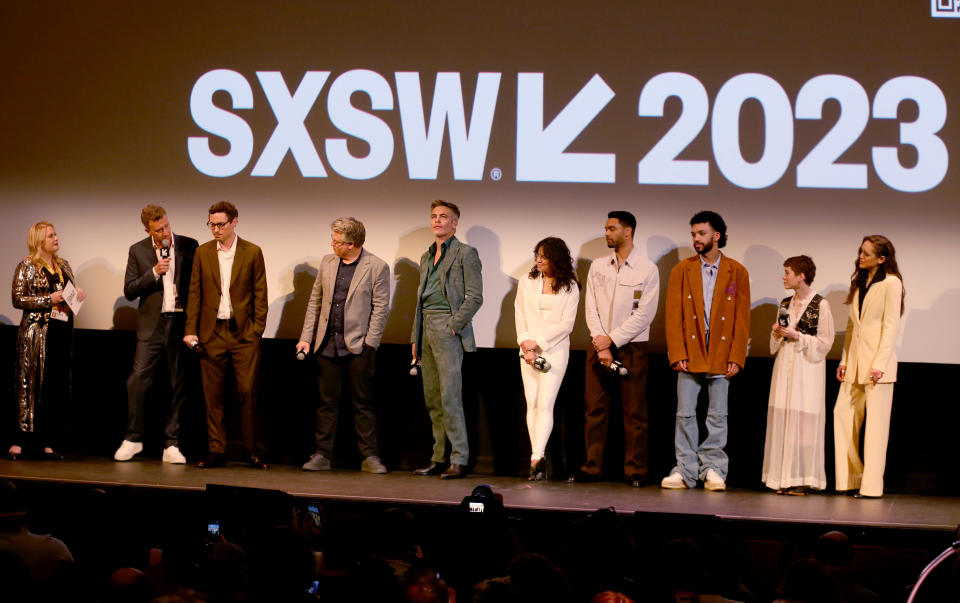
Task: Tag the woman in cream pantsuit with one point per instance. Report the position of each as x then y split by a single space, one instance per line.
868 368
545 310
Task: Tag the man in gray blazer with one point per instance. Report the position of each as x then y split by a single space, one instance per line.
158 273
450 293
345 318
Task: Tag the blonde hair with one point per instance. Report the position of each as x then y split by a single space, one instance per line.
35 237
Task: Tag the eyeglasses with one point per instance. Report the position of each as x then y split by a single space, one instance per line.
217 225
339 244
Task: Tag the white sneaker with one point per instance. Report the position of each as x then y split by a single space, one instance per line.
713 481
674 481
127 450
172 455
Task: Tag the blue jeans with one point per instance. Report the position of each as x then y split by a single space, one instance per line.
694 459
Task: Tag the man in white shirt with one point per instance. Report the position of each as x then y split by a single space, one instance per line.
621 300
158 273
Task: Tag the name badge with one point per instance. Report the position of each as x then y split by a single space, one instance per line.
637 293
57 314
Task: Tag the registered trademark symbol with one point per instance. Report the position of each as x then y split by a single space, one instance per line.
496 174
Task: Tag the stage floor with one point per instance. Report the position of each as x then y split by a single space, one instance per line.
891 511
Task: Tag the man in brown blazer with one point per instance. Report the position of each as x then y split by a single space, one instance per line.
226 317
708 327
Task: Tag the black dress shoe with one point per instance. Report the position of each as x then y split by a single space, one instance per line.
454 471
213 461
53 455
431 469
256 461
859 495
637 481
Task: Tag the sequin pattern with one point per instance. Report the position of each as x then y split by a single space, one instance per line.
31 293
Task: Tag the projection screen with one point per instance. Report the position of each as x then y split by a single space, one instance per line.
806 125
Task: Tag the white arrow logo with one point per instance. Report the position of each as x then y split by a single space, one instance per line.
540 151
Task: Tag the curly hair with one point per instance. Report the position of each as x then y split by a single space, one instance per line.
715 221
556 251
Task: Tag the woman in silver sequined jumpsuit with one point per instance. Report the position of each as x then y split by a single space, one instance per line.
43 342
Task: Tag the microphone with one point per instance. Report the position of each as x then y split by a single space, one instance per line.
165 248
541 364
617 368
783 317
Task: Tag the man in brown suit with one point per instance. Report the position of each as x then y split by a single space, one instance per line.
708 327
226 317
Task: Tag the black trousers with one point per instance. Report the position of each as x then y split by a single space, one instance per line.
170 348
356 371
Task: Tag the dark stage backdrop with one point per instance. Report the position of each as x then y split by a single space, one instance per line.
806 125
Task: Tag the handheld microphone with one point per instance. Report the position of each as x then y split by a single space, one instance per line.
301 354
165 248
783 317
541 364
197 348
414 368
617 368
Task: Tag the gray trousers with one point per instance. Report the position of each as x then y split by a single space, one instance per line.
441 359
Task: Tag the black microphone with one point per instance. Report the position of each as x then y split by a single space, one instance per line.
783 317
165 248
616 367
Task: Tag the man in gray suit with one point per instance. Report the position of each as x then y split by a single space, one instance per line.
345 318
158 273
450 293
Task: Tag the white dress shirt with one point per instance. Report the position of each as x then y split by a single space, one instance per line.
169 287
225 256
621 301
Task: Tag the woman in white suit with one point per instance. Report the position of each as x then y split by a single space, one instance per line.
868 368
545 309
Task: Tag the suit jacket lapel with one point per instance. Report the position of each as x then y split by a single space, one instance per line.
862 304
695 276
177 261
239 254
445 264
330 278
720 290
214 264
362 268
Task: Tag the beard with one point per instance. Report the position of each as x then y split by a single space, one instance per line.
707 248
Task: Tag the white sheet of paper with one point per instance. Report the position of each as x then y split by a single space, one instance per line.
70 296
